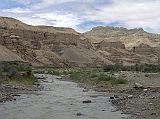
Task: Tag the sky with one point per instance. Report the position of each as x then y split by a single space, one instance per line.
83 15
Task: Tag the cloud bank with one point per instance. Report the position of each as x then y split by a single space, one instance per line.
85 14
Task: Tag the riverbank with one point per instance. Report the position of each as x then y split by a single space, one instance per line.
139 102
11 88
142 102
15 77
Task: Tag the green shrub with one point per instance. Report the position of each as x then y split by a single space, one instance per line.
23 81
48 71
12 71
75 75
12 68
138 67
54 72
93 75
118 81
103 77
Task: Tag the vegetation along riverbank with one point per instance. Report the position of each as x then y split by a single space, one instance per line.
15 78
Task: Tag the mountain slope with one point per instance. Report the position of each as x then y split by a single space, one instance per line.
61 47
142 47
46 45
130 38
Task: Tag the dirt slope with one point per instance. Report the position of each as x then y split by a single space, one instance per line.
7 55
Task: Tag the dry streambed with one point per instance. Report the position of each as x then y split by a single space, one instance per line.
64 99
60 100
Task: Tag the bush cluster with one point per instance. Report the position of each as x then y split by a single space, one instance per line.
12 68
141 68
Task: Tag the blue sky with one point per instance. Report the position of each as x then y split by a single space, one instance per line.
82 15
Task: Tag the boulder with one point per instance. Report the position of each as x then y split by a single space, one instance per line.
138 85
79 114
87 101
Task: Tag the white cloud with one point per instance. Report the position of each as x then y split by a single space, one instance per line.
25 1
55 18
17 10
138 13
61 20
130 13
33 20
47 3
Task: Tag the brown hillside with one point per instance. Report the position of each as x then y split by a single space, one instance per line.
60 47
130 38
7 55
45 45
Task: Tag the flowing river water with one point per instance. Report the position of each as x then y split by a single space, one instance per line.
59 100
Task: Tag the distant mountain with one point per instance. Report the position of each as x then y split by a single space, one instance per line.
130 38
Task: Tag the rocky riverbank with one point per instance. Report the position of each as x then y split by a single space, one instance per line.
139 103
10 92
15 77
140 98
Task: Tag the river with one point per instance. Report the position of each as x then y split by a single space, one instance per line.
60 100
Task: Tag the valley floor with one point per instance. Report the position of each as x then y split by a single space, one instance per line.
140 103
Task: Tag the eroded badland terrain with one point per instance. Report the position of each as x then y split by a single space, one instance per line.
60 47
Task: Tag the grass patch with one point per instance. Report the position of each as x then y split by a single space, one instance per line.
16 73
75 75
103 77
93 76
148 68
87 76
52 71
22 81
119 81
13 68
